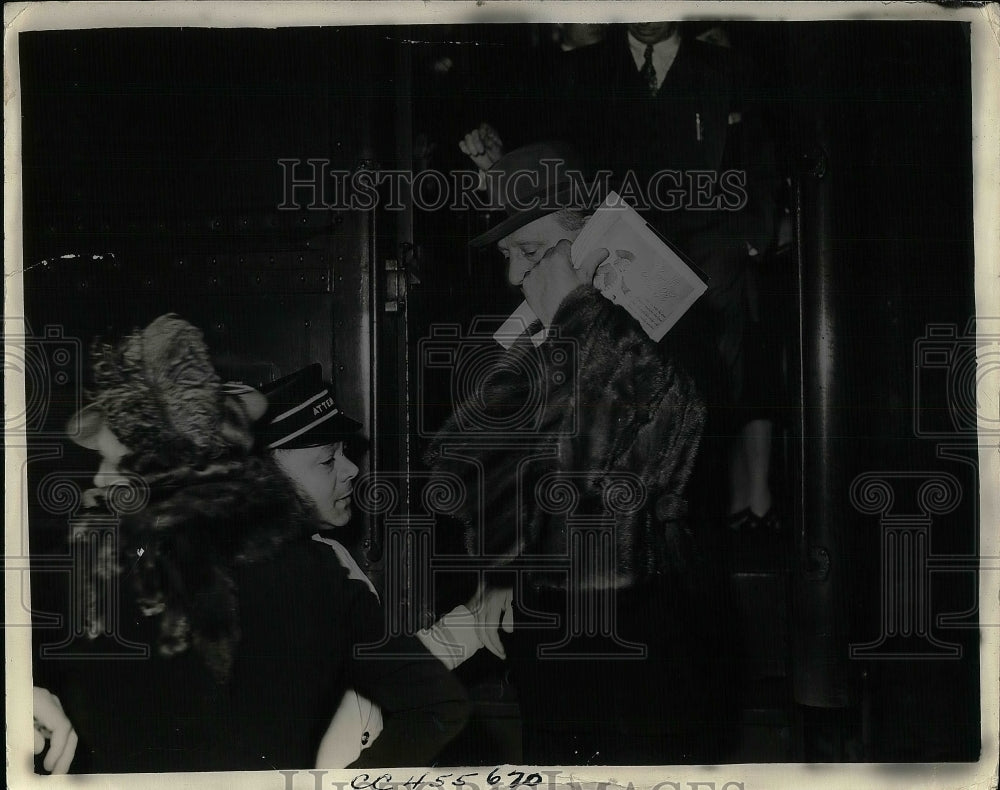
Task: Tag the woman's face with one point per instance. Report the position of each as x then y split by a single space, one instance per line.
112 451
325 475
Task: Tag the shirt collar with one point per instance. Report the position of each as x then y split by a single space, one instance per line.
664 53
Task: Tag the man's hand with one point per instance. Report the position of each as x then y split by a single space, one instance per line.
550 282
492 608
483 146
52 725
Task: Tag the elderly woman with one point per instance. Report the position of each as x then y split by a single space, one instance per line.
251 626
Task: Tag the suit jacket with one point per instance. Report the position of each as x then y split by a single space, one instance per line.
699 120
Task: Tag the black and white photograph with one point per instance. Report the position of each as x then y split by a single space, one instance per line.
502 394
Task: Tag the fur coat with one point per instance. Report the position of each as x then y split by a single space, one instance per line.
573 456
253 628
177 555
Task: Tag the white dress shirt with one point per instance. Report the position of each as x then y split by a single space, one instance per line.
664 53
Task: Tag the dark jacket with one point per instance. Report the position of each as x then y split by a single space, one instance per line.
272 626
700 141
703 118
597 428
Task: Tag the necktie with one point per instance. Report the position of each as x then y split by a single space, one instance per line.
648 72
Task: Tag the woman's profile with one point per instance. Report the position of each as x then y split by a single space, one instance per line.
251 626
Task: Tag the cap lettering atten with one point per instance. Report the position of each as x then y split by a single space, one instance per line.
319 408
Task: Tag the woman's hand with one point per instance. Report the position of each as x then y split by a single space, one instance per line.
551 281
52 725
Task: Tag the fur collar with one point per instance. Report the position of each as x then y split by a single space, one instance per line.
612 425
177 555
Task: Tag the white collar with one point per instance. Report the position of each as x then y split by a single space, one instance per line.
664 54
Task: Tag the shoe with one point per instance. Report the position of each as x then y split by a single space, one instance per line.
770 521
747 519
741 519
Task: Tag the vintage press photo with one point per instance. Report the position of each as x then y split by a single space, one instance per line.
331 461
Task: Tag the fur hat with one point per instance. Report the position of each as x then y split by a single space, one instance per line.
159 394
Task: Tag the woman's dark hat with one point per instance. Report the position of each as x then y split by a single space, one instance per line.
534 181
302 412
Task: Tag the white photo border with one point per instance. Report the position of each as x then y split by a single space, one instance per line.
985 47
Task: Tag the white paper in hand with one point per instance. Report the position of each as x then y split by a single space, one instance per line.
643 273
516 325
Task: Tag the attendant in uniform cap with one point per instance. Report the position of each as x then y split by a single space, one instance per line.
306 434
249 626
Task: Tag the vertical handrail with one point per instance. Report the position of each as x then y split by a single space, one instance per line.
820 676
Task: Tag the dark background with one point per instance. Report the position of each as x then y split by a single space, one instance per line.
157 150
